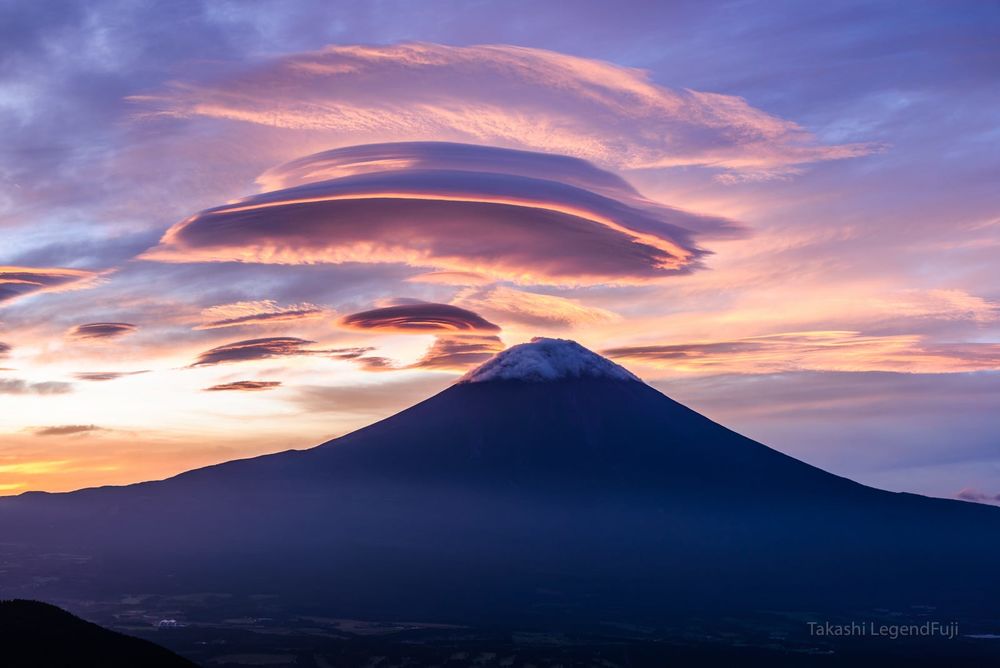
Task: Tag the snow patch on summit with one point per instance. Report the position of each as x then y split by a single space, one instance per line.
544 360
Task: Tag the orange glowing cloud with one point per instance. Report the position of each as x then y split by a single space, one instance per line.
503 95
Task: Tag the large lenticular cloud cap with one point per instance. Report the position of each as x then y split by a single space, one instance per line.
510 215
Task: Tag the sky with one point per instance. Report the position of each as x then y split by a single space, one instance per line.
232 228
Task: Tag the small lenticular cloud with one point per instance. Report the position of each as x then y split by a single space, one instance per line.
419 318
245 386
103 376
101 330
67 430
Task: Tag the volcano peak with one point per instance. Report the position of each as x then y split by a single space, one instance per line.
543 360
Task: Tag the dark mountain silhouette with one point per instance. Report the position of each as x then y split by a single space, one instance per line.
39 635
550 484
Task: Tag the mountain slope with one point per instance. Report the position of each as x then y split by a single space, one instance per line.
553 485
39 635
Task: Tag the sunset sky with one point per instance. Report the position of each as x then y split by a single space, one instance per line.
231 228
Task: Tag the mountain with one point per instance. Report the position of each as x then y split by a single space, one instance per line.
39 635
548 484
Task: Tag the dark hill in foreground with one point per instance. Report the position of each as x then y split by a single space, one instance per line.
551 486
39 635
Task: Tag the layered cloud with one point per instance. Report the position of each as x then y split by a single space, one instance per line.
422 317
16 282
101 330
270 347
817 351
245 386
506 95
510 215
261 312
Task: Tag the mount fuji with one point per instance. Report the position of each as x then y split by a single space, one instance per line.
549 483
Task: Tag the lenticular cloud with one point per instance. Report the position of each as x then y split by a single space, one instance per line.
528 218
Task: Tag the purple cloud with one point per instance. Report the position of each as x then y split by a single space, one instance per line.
102 330
503 221
418 318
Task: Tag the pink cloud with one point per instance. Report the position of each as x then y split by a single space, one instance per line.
532 309
503 95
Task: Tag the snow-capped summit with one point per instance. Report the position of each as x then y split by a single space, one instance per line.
544 360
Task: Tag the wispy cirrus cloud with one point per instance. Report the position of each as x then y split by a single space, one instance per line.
17 282
422 317
458 353
101 330
260 312
533 309
565 104
524 217
245 386
270 347
448 352
816 351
